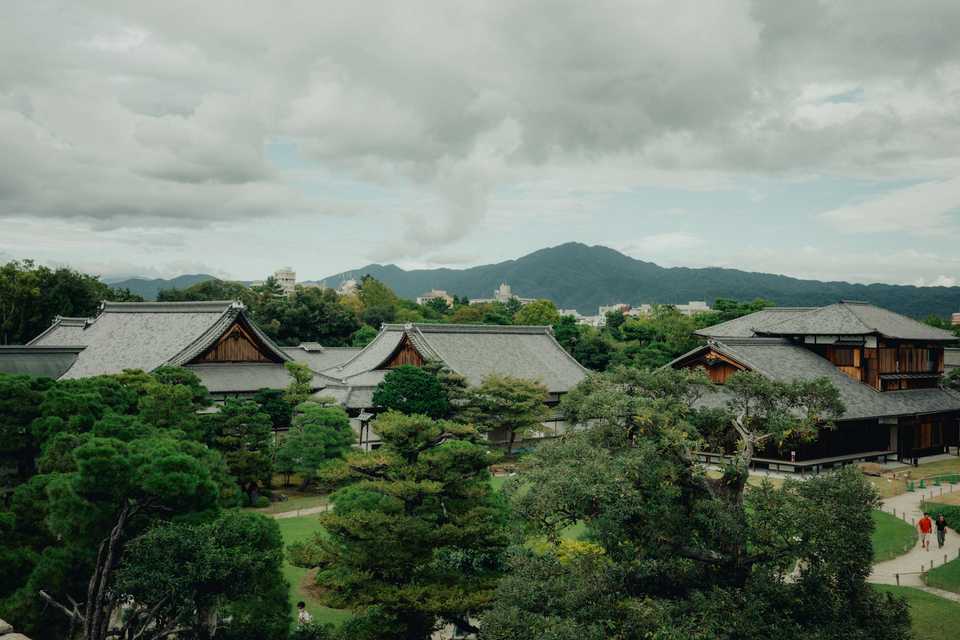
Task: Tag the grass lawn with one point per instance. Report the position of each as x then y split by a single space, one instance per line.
293 502
498 481
946 577
891 536
297 530
931 616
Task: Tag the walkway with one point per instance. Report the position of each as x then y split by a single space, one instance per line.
911 565
299 512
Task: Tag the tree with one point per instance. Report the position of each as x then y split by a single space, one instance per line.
374 293
363 336
117 490
567 332
31 296
438 306
242 434
199 577
593 352
510 406
301 385
409 390
273 403
320 433
210 290
673 551
378 315
309 315
416 535
538 312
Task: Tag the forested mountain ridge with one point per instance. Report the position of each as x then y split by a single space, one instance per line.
583 277
148 288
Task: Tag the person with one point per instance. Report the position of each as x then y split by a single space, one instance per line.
941 529
303 616
926 527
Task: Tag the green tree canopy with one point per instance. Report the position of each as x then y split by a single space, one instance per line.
509 406
538 312
410 390
416 535
320 433
242 433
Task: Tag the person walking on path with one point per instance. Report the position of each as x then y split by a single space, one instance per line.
926 528
941 524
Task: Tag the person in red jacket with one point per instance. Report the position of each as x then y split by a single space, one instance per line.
926 528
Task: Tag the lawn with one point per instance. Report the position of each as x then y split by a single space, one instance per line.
931 616
297 530
946 576
891 536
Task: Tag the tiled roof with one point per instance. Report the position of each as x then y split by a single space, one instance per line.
63 332
780 359
246 377
846 318
37 361
319 358
474 351
147 335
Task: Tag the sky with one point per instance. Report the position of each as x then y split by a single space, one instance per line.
814 139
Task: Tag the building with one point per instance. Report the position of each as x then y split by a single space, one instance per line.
473 351
348 287
215 340
955 319
693 307
503 294
287 279
887 368
435 294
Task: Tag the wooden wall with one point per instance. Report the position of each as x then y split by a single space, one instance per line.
236 345
405 353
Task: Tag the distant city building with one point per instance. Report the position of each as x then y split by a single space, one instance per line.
689 309
435 294
348 287
955 319
287 279
610 308
504 294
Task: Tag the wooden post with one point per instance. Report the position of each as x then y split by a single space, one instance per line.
944 558
898 579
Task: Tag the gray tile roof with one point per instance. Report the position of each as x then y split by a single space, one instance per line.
474 351
780 359
147 335
749 325
63 332
246 377
843 318
38 361
320 358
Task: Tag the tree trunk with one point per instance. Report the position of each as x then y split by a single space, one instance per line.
513 435
100 602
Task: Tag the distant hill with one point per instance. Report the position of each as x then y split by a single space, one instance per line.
582 277
149 289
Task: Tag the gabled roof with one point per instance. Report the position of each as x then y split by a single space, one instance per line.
845 318
38 361
247 377
780 359
473 351
147 335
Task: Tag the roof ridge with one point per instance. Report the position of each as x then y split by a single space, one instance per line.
430 327
843 305
203 306
42 348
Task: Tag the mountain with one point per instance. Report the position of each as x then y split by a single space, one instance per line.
149 289
582 277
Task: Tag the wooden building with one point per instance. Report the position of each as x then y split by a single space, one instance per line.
215 340
887 368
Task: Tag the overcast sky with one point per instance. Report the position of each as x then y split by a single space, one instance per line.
818 140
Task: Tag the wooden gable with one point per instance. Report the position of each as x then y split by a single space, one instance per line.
405 353
237 344
718 366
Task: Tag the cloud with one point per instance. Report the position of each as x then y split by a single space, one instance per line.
669 243
922 208
159 115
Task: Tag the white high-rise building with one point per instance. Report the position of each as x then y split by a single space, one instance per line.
287 279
